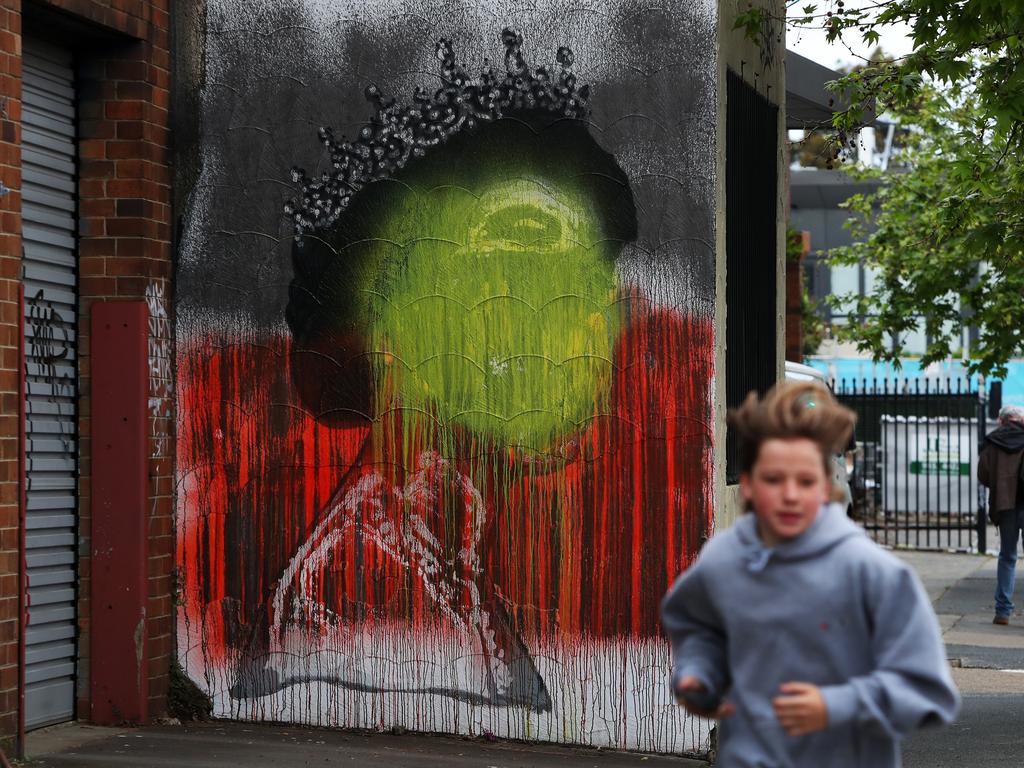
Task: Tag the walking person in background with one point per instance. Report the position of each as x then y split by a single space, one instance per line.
812 645
1000 470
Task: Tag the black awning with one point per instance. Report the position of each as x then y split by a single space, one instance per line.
807 100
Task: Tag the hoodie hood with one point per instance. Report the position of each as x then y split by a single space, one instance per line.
829 528
1009 438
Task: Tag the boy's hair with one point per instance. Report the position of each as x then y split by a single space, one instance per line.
789 410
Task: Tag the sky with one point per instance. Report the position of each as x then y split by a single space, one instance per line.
810 43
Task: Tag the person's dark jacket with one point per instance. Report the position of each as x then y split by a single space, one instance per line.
999 469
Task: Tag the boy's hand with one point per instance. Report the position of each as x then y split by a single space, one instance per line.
692 684
800 709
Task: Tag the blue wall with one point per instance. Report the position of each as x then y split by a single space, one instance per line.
859 369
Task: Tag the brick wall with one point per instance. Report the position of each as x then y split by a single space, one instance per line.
124 253
10 333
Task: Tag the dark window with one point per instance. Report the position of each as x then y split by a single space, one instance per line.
751 189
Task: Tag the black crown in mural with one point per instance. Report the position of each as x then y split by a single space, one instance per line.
398 133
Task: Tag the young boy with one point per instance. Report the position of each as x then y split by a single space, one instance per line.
812 645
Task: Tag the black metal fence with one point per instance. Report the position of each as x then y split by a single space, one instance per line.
913 476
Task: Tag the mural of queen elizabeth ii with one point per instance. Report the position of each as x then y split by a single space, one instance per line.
505 445
460 296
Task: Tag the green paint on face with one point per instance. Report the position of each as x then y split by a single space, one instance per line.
494 309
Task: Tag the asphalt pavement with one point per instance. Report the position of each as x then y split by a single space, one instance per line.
988 666
987 662
220 745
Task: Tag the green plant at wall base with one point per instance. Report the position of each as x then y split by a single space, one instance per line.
498 311
812 327
185 700
948 244
794 245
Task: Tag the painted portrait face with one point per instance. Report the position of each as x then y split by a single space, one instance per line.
497 314
475 293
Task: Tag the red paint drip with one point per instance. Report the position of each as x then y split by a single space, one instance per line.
585 547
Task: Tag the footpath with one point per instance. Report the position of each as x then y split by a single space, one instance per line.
986 659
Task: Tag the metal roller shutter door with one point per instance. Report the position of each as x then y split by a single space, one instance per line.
51 308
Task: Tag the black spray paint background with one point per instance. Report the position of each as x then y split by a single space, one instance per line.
275 72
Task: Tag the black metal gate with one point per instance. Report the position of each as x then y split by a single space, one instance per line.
913 481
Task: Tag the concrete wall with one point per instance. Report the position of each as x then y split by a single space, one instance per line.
439 461
761 67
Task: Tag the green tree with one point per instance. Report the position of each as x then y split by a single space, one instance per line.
949 233
945 238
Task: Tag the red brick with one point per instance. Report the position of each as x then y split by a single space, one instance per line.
128 267
137 169
127 70
135 149
133 207
125 110
96 246
10 43
132 187
10 154
98 207
97 129
92 187
144 248
161 58
98 286
131 129
132 287
161 78
131 227
158 566
99 168
134 90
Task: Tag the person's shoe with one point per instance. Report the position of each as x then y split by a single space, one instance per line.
1004 620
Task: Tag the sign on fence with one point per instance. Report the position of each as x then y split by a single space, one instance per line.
928 463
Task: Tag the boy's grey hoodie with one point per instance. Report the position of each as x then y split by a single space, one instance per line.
829 608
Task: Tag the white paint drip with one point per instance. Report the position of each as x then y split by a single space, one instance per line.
411 544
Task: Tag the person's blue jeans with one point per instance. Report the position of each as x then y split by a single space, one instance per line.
1011 524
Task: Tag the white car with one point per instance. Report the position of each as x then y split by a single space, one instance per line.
840 466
